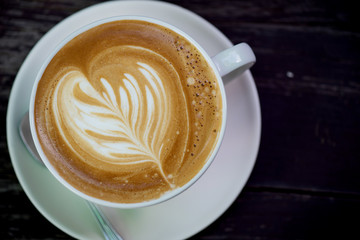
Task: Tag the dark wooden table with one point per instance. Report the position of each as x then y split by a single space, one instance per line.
306 181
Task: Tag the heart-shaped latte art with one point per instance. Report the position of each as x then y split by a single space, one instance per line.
124 120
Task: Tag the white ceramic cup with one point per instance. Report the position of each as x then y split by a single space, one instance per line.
239 57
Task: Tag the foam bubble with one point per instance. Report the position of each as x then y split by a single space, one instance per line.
190 81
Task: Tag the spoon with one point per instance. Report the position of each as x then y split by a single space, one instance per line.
107 229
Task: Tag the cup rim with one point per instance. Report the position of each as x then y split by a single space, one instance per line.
167 195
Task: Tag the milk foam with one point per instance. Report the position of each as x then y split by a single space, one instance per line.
108 125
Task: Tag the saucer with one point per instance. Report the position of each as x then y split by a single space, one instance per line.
180 217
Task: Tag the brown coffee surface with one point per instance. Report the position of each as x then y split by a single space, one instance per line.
127 111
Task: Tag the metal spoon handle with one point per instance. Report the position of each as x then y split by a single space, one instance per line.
107 229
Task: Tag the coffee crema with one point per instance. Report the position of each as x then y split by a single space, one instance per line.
128 111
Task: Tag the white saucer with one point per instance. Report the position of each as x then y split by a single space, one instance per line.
184 215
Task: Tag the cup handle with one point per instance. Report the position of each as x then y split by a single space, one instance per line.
239 57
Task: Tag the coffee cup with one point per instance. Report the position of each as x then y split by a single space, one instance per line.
130 111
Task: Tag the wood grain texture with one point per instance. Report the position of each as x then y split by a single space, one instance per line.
305 184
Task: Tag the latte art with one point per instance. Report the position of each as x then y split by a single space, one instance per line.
124 123
128 111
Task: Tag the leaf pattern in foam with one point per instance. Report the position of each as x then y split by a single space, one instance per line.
113 124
